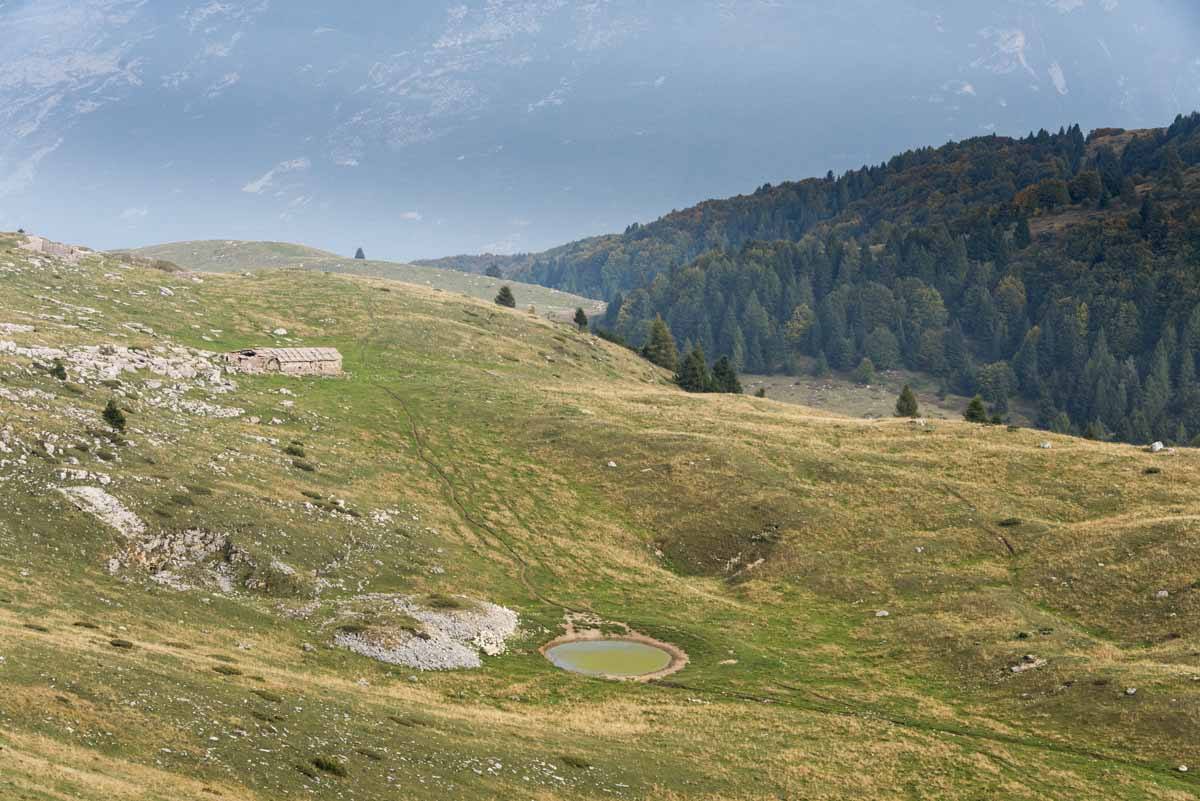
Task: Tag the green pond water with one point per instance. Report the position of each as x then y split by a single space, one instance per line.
624 658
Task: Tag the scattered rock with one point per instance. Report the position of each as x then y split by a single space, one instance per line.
882 613
1162 594
1046 445
1028 662
1157 447
1131 691
612 464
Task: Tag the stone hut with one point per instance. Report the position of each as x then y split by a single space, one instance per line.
288 361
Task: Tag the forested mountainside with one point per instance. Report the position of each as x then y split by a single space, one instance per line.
1057 267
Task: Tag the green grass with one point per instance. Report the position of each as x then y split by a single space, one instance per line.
762 538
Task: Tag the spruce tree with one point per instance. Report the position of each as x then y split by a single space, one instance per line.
693 375
660 347
493 271
906 405
975 412
59 370
581 319
506 298
865 372
358 254
725 378
114 416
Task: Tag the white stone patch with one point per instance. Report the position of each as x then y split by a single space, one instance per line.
106 508
452 639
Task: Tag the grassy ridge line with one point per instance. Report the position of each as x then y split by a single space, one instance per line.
231 256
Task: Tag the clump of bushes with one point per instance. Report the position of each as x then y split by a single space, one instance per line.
295 449
123 644
307 467
1010 522
572 761
227 670
267 695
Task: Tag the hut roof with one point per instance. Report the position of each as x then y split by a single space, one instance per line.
285 355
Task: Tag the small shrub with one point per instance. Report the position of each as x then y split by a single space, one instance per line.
111 383
1010 522
307 771
182 499
1152 471
59 370
123 644
226 670
74 389
114 416
84 624
329 765
307 467
761 392
295 450
267 695
106 455
197 490
374 756
37 627
316 496
574 762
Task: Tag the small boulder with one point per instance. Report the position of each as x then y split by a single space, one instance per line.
612 464
882 613
1162 594
1131 691
1046 445
1157 447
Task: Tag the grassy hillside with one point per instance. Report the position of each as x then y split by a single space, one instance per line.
224 256
477 455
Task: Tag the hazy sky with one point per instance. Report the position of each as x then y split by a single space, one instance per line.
432 128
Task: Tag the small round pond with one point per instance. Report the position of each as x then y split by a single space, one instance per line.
611 658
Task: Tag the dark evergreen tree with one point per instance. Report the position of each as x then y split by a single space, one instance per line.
581 319
493 271
505 297
976 413
59 370
693 374
725 377
906 404
660 347
359 254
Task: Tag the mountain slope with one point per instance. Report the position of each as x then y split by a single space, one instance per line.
1055 267
237 256
195 645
